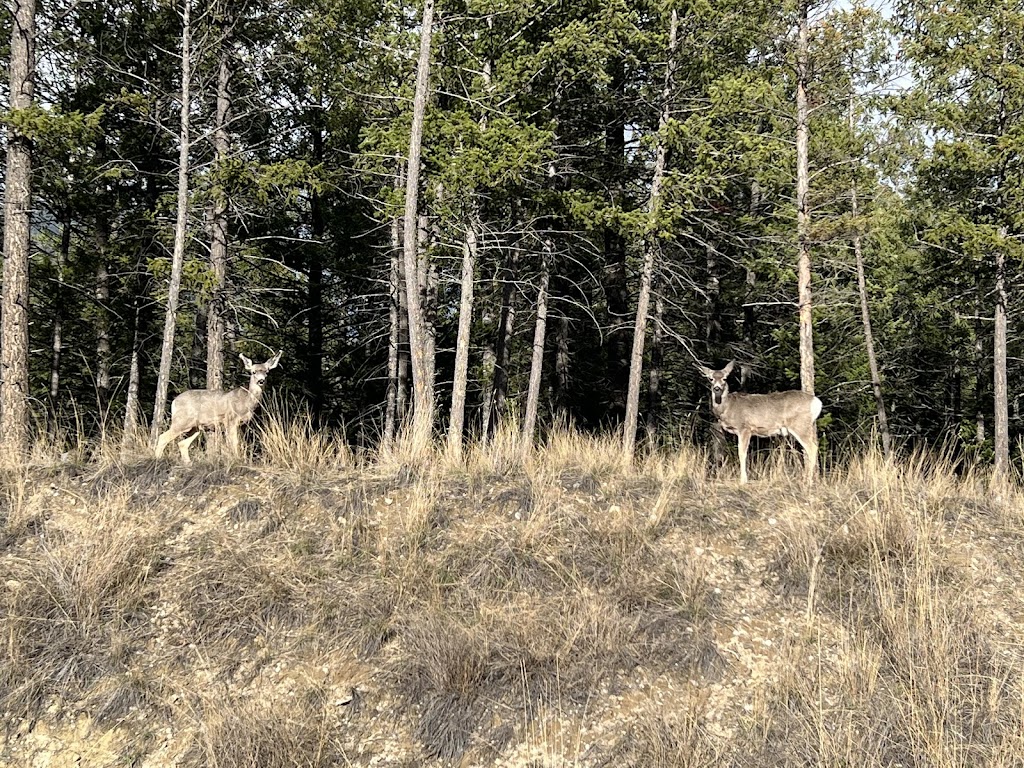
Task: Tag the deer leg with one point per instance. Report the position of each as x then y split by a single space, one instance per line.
809 443
744 442
184 445
231 431
164 439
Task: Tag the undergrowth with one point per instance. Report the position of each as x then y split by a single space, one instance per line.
556 605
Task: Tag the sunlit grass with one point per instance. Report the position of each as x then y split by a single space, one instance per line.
550 603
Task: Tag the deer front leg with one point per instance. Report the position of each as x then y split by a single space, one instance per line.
231 431
744 443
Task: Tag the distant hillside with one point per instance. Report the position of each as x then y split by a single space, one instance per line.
562 609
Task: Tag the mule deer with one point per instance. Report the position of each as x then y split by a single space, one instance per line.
777 413
197 409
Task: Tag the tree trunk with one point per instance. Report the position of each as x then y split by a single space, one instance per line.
869 339
502 349
57 342
981 375
803 220
131 410
1000 422
180 231
426 277
457 420
651 248
654 383
614 278
395 311
14 314
537 359
562 362
217 306
102 327
423 386
314 383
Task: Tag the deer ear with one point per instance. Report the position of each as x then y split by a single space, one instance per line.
706 371
247 361
272 362
728 369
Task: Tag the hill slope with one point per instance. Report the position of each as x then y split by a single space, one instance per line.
562 609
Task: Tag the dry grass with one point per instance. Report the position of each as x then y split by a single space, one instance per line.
554 606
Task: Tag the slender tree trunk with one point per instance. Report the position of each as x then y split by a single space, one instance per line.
803 221
981 375
713 293
395 306
651 248
502 348
537 359
315 278
216 308
562 362
14 314
131 410
102 323
423 385
657 344
750 287
426 277
1000 422
614 278
869 339
57 342
457 420
180 230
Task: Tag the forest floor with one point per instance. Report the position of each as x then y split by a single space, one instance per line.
562 608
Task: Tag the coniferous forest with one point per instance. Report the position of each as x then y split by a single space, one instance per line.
456 216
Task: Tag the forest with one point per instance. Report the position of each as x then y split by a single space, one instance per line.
531 212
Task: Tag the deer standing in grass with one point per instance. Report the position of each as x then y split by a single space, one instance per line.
777 413
197 409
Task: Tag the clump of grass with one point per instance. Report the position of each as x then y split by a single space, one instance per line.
297 730
295 444
74 600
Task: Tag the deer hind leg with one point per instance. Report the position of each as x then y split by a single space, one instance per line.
744 443
809 442
183 446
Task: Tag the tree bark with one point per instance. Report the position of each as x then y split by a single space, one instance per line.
216 320
869 339
537 359
102 322
180 230
457 420
614 278
1000 422
395 311
501 355
651 248
57 341
802 205
315 290
131 409
14 304
423 386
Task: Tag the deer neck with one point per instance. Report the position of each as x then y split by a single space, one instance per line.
254 392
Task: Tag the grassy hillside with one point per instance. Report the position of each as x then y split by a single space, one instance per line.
305 608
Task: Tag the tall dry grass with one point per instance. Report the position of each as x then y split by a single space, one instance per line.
516 605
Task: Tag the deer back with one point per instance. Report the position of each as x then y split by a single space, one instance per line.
212 408
769 414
